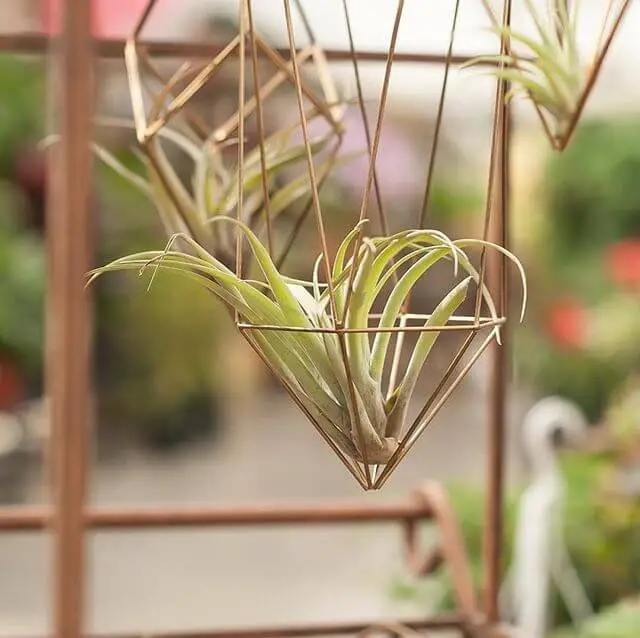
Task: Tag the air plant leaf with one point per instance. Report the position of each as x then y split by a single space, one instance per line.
335 378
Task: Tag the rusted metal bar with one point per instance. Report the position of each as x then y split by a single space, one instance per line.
24 519
37 43
68 368
438 623
498 381
450 549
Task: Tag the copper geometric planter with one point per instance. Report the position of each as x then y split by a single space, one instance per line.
352 369
612 16
263 72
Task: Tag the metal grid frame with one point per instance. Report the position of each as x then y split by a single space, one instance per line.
68 363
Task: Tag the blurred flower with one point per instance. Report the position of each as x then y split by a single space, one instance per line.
10 385
400 169
110 17
566 324
622 263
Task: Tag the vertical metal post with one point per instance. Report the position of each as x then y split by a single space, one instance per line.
498 381
68 308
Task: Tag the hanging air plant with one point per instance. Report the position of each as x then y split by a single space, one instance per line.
316 337
164 110
340 360
551 71
214 189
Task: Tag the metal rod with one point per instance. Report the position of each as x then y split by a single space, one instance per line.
498 382
68 365
36 43
441 622
32 519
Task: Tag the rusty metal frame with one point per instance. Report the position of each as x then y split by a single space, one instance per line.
69 313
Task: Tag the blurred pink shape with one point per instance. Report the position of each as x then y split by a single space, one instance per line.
111 18
397 163
399 166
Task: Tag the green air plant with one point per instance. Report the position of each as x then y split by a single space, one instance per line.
551 71
336 376
214 192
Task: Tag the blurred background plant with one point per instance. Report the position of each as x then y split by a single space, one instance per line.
579 237
601 527
21 255
582 339
621 620
184 387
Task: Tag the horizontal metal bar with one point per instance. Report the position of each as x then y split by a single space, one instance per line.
440 622
37 43
14 519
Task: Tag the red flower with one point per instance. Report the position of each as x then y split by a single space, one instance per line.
622 263
566 324
10 385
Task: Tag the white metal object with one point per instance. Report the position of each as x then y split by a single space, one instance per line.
540 553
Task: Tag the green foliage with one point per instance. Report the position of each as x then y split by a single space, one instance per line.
602 535
22 257
603 531
22 286
165 349
159 343
617 621
352 406
21 107
593 193
580 376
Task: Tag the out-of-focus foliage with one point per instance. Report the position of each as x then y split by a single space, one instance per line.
617 621
22 285
21 107
623 415
602 534
593 192
161 343
178 393
585 264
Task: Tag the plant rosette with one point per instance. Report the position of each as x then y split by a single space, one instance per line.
551 71
336 377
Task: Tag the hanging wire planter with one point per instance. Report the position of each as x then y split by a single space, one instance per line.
351 370
173 119
550 71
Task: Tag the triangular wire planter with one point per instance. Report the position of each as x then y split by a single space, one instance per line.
373 473
175 95
367 427
370 475
612 21
561 141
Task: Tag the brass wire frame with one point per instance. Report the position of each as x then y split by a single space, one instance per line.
368 475
70 252
612 21
141 71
